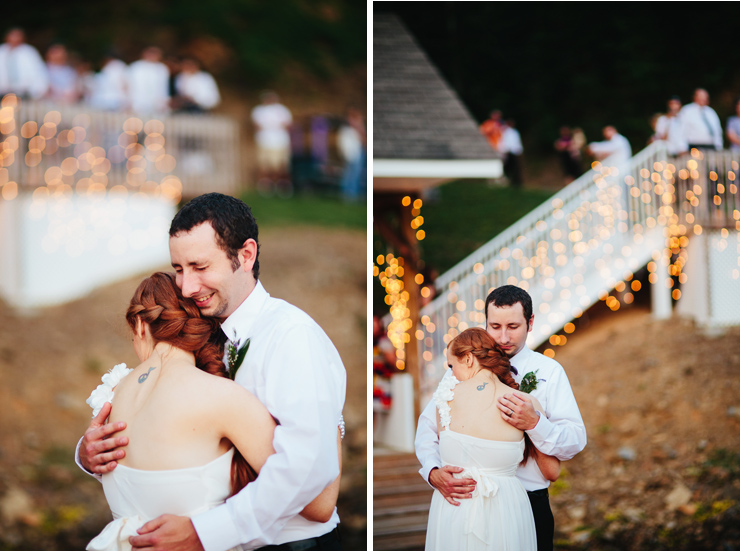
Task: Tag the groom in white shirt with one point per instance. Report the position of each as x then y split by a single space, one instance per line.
291 366
560 433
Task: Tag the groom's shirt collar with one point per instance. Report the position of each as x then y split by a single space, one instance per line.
519 361
240 324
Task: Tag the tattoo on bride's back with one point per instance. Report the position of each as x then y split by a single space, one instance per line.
144 377
481 387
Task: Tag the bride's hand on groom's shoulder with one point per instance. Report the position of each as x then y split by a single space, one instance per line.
450 487
100 449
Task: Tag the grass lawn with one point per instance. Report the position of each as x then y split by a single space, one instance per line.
464 215
309 210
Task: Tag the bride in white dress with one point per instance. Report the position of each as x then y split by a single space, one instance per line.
472 435
180 420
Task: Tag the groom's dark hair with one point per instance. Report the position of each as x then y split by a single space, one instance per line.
230 218
509 295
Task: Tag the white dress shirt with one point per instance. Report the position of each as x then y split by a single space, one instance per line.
272 121
511 142
110 86
670 130
617 149
296 372
560 432
701 125
22 71
199 87
149 87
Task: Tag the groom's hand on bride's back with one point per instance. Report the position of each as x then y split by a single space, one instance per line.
450 487
100 448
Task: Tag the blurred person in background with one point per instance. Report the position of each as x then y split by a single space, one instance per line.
148 83
22 70
568 145
700 123
110 87
492 129
196 91
272 121
62 76
85 78
733 128
512 149
668 128
352 143
614 145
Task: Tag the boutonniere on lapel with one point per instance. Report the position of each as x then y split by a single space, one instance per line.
529 382
236 352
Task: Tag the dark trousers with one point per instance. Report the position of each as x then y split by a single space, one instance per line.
327 542
544 522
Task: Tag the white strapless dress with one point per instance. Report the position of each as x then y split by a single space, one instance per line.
499 516
137 496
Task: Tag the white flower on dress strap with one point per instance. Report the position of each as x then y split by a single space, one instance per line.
104 392
443 395
341 425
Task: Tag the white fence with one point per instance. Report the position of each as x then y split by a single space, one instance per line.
86 197
582 242
45 144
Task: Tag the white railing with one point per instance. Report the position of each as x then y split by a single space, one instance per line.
85 147
582 242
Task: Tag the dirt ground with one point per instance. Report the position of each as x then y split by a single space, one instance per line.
50 360
661 404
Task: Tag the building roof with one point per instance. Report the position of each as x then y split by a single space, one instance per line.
416 114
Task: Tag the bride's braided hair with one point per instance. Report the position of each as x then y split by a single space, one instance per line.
176 320
490 356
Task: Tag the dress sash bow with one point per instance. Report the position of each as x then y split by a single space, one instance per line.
486 486
115 535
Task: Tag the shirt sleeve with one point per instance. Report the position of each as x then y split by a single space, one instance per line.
427 441
304 389
561 432
79 463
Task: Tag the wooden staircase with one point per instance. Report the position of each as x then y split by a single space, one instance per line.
401 501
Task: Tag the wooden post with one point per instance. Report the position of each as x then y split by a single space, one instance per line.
409 283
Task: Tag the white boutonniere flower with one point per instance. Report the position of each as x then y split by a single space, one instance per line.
235 354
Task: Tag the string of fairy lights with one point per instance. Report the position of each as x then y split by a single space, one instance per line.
661 196
389 269
63 157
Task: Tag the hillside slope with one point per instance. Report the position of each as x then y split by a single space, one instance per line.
661 404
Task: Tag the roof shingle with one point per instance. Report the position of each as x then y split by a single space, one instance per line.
416 115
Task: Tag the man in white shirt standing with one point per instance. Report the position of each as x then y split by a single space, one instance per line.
272 121
701 126
560 433
149 83
511 148
291 366
197 90
668 128
615 147
22 70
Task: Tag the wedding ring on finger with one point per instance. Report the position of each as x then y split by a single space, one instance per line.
511 412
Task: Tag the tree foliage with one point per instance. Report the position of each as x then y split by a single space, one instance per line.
548 64
248 40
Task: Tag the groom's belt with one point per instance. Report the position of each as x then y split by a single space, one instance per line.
309 543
